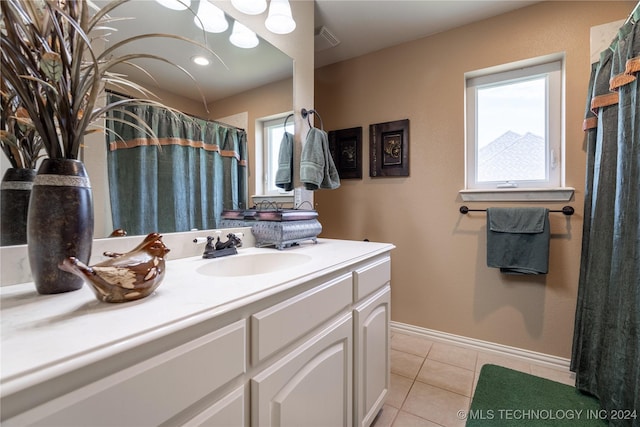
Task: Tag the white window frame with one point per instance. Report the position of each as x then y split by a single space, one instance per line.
269 175
552 188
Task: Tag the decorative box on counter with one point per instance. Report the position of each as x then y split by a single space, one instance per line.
237 218
280 227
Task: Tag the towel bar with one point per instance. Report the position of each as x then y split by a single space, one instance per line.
306 113
567 210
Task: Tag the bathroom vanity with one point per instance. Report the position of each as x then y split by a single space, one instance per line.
263 338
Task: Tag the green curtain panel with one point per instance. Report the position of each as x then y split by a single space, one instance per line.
198 170
606 344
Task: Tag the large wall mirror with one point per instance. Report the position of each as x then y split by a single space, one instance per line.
235 70
234 84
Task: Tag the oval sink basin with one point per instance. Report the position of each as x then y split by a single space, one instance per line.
252 264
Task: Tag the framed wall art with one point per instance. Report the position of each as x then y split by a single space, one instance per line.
346 149
389 149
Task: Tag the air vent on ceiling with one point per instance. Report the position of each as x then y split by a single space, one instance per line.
324 39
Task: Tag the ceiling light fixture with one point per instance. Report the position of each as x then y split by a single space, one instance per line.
175 4
280 20
200 60
243 37
210 18
250 7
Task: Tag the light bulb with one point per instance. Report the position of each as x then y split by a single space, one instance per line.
250 7
243 37
210 18
280 20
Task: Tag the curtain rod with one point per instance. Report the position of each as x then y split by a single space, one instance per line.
632 14
182 112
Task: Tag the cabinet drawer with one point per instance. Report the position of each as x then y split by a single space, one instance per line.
272 329
370 278
151 392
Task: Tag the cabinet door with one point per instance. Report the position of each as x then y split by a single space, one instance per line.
371 358
229 411
311 386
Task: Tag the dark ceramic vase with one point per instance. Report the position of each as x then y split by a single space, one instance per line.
60 223
15 191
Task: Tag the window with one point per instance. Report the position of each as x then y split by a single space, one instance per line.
514 134
273 131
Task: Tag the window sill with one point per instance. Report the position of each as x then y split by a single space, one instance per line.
284 200
563 194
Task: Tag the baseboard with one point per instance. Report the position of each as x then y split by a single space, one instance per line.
529 356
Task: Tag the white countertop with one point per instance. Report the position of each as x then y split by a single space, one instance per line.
47 335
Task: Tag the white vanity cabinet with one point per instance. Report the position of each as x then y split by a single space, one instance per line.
371 316
309 386
313 380
315 352
231 410
152 391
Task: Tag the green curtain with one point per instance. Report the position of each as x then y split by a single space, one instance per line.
197 170
606 344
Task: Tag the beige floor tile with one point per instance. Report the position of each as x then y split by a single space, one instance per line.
405 364
411 344
385 417
436 405
507 362
448 377
398 390
405 419
453 355
430 391
565 377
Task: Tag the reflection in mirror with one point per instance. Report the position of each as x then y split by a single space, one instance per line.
228 81
199 170
232 70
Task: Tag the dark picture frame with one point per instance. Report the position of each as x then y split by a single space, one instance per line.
346 150
389 149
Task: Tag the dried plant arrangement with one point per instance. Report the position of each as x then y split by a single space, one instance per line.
19 140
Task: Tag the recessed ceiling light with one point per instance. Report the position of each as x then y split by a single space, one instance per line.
200 60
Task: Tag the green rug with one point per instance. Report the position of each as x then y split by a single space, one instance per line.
505 397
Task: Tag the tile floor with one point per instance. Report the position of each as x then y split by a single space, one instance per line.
432 381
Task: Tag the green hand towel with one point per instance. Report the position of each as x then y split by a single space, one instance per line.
518 240
284 175
317 170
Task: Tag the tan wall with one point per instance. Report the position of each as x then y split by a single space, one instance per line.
439 276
